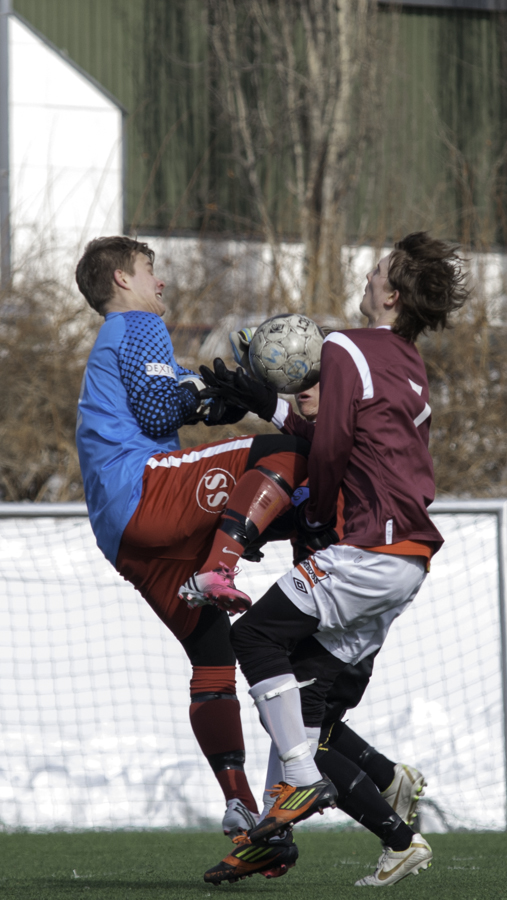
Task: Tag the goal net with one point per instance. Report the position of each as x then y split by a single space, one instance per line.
94 729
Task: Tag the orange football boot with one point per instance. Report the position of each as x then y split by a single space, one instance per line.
293 804
268 859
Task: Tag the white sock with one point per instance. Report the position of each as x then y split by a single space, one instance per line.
313 736
274 775
279 705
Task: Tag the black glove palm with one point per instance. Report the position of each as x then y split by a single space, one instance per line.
239 389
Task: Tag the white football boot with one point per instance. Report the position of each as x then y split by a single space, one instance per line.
405 791
237 819
394 865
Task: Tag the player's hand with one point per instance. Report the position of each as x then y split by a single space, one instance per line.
216 388
220 379
240 343
239 389
217 410
193 385
259 398
253 552
210 409
310 539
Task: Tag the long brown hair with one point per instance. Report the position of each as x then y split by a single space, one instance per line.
428 275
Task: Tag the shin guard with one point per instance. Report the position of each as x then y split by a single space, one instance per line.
261 494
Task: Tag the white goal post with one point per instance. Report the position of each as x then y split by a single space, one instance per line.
94 729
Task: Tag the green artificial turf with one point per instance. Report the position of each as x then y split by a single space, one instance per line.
156 865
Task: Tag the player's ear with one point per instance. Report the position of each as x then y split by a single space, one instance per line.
392 299
120 278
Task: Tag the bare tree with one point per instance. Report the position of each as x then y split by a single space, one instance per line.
298 80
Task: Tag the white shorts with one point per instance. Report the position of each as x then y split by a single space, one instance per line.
356 595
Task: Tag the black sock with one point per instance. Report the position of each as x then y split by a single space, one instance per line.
379 768
360 799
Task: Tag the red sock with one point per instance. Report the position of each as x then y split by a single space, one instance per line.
234 784
216 724
217 727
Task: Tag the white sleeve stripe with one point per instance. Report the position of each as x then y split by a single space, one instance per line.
415 387
281 413
359 358
423 416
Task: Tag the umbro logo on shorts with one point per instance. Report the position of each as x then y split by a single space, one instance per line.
300 585
214 489
311 572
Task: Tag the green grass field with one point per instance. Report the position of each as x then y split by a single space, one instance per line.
156 865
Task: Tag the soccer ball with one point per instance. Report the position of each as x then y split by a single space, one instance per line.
285 350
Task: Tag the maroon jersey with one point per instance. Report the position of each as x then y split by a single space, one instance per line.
371 439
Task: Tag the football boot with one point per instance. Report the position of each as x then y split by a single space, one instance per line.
405 791
238 818
271 859
216 587
293 804
394 865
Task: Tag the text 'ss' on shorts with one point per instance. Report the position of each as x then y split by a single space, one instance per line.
171 532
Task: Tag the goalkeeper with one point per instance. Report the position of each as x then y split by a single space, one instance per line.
174 522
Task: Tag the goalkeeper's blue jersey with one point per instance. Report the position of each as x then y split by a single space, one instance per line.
130 407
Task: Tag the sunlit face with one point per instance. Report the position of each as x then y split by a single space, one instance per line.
308 402
376 292
145 288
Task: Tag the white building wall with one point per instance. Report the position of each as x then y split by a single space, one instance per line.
66 152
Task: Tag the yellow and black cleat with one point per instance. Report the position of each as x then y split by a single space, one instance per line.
293 804
269 859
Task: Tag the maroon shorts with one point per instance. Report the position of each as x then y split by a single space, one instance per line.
171 532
